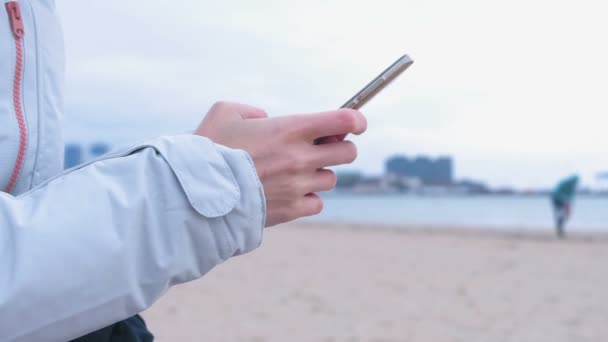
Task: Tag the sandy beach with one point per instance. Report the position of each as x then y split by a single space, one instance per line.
319 282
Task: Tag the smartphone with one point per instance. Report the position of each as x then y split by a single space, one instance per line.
379 83
372 89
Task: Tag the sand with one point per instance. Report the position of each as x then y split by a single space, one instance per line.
311 282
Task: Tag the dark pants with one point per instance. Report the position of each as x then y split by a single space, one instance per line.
130 330
561 210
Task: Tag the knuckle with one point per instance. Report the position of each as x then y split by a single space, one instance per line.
286 130
223 106
219 108
220 105
296 163
288 189
276 129
294 188
282 130
289 165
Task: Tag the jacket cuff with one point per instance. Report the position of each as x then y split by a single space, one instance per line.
249 214
219 183
242 202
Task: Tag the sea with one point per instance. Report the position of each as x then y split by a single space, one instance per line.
590 214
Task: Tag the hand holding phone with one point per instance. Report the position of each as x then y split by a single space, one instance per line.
371 90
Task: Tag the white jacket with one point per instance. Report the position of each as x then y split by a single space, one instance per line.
82 249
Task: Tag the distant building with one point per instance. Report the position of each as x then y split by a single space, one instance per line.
76 154
429 171
373 185
99 149
73 155
348 179
403 183
469 186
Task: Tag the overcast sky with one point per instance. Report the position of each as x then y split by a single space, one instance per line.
515 91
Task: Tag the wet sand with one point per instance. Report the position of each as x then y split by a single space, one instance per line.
319 282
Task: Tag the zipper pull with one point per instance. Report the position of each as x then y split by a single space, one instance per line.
14 13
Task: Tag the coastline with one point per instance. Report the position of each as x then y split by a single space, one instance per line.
495 212
342 282
475 231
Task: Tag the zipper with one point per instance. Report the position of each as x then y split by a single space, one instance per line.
18 29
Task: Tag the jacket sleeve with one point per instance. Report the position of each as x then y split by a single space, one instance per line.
103 241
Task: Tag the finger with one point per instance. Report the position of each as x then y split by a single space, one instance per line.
309 205
305 182
279 211
337 122
339 153
282 211
322 180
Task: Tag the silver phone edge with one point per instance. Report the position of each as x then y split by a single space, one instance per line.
374 87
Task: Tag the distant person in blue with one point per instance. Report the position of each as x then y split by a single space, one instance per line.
561 198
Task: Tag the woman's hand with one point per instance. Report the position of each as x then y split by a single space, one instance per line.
289 164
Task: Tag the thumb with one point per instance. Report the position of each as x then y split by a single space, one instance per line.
231 110
249 112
